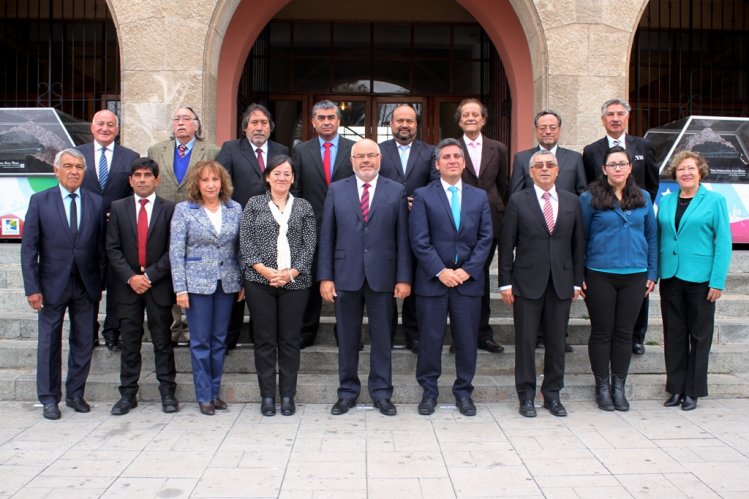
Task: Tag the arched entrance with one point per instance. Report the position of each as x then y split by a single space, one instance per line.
498 19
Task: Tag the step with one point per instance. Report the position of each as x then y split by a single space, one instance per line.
102 388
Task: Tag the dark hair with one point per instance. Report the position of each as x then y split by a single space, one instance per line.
325 104
603 197
445 143
459 110
274 163
144 164
257 107
547 112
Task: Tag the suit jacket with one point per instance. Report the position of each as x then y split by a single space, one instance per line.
163 154
539 255
200 257
48 250
435 240
352 250
122 249
571 171
700 251
118 183
494 176
240 160
310 178
644 166
420 168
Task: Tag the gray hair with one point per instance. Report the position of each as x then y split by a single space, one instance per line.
612 102
539 153
71 152
325 104
547 112
198 132
446 143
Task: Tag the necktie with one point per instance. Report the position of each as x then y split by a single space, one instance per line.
260 161
548 212
473 152
142 233
455 205
182 150
103 169
403 150
73 215
364 203
616 143
326 161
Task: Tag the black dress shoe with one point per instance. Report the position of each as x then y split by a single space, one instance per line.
169 404
207 409
78 405
427 405
540 343
413 346
219 404
673 400
386 407
124 405
491 346
51 411
527 409
268 406
555 407
288 408
452 348
466 406
567 347
689 403
304 343
342 406
638 348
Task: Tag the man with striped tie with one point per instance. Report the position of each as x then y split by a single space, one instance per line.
541 252
107 170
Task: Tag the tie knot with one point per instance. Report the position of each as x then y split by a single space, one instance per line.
182 148
546 195
143 202
259 150
73 195
327 145
103 150
453 189
366 186
403 148
474 144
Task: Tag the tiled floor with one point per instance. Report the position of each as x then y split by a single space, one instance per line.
650 451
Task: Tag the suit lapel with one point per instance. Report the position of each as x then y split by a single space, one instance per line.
442 195
200 216
156 212
60 209
535 207
469 162
379 195
352 193
487 153
390 149
249 153
132 216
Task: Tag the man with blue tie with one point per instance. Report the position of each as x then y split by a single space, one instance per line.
410 162
107 170
364 259
450 229
64 264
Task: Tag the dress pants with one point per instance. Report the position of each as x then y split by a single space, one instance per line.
49 346
613 301
432 312
553 313
278 320
408 316
640 328
111 331
485 330
349 310
131 341
208 316
180 329
311 321
688 322
235 325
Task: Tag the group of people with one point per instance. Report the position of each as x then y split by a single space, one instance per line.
363 224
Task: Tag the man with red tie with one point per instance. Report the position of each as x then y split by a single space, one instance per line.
318 162
138 251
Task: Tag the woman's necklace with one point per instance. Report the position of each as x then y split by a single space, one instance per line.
684 201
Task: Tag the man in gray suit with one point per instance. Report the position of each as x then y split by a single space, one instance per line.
175 156
318 162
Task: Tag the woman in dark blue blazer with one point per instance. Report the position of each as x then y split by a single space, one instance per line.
620 270
695 253
205 272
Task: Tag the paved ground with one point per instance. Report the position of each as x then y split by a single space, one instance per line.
650 451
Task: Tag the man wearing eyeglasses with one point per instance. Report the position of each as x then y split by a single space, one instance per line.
364 258
615 119
318 162
541 252
174 157
245 160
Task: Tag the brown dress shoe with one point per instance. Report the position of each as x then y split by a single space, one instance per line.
208 408
219 404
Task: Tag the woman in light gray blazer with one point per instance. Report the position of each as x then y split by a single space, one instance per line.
205 272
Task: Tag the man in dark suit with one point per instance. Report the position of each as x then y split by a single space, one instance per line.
485 168
245 160
571 170
175 156
138 251
318 162
450 230
410 162
364 259
615 119
107 165
64 264
543 229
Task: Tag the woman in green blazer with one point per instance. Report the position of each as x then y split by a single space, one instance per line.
695 253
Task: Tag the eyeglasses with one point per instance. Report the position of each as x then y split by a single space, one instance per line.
183 117
548 165
551 128
360 157
617 166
